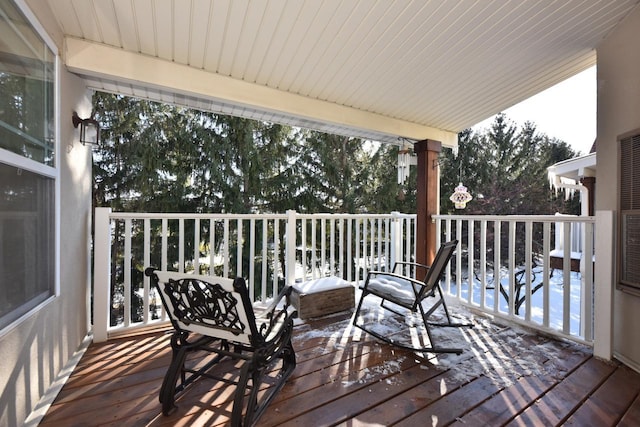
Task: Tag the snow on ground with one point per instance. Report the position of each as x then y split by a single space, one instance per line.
556 299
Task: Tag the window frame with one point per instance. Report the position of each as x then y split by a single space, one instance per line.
52 172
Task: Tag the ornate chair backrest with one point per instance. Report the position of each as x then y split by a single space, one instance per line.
208 305
435 272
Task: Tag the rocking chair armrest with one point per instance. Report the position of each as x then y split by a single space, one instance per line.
410 263
284 293
275 321
395 275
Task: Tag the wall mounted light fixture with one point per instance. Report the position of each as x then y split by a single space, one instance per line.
89 129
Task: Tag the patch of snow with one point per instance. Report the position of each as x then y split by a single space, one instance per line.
503 354
388 368
320 285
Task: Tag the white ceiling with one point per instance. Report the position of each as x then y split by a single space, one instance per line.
373 69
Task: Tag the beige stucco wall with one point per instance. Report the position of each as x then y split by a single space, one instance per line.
33 351
619 113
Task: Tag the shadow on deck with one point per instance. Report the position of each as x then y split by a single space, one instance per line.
343 376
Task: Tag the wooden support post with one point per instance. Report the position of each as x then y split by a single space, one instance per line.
427 198
590 183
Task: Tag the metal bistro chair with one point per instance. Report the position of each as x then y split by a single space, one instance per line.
398 291
215 314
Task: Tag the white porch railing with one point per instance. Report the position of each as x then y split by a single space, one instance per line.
269 251
507 256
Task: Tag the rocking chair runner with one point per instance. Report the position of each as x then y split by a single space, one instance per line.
218 311
410 293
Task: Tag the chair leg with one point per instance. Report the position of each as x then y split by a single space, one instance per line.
357 312
443 302
175 379
175 370
238 400
253 371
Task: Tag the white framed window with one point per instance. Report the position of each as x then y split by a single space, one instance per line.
28 173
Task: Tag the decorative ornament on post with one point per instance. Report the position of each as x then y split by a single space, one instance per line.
405 160
89 129
460 197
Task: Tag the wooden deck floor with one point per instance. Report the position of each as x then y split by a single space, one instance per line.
346 377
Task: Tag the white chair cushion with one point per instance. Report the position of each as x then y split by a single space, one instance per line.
392 288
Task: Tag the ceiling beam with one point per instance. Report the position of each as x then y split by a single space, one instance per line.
107 62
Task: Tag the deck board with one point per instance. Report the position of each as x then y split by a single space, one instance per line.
514 399
561 401
505 376
607 404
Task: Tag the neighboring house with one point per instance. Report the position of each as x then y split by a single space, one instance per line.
574 176
374 71
577 175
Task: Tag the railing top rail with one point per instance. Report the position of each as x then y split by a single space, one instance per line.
343 215
403 215
158 215
519 218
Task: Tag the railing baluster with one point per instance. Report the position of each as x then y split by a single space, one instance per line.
165 238
387 239
497 273
315 272
323 245
528 269
566 280
265 241
332 249
225 248
212 246
181 245
447 239
459 259
252 257
303 246
127 272
512 268
470 259
483 262
349 275
357 244
146 243
276 255
365 230
412 240
196 245
239 247
372 244
290 248
341 248
546 291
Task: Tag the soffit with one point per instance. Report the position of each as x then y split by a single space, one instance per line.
423 66
576 168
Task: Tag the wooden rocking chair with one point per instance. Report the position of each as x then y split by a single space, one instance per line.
215 314
409 293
